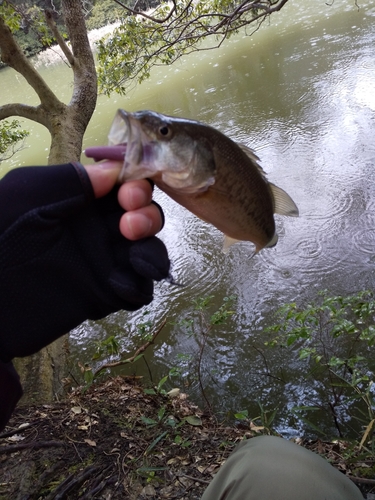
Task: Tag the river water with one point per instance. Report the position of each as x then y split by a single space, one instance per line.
301 92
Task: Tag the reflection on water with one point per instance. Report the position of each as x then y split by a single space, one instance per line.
303 96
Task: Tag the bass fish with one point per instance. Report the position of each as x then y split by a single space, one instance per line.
203 170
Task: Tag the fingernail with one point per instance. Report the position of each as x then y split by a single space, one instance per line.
138 224
109 165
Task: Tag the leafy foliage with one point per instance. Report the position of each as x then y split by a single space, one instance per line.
335 336
10 15
10 137
27 22
172 30
102 13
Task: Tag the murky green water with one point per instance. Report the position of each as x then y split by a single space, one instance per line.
301 92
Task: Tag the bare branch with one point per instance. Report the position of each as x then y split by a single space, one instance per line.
12 55
139 351
60 40
35 113
146 16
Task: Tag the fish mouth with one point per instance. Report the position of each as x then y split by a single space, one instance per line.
127 130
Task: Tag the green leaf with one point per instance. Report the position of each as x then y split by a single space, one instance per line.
10 135
242 415
155 442
193 420
161 413
162 382
149 391
148 421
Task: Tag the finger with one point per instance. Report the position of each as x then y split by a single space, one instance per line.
136 194
103 176
141 223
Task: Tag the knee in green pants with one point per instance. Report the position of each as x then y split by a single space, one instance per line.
272 468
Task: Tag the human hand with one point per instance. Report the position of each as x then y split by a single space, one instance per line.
142 218
63 254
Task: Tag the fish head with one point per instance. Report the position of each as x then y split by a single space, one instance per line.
163 148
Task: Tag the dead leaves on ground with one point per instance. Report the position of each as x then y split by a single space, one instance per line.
114 442
141 446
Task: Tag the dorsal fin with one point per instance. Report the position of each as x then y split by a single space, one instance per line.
284 205
253 157
250 152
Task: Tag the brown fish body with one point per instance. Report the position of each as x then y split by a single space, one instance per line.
239 203
204 171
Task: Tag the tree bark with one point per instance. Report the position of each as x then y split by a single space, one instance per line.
67 130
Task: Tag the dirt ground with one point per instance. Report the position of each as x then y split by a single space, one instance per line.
116 442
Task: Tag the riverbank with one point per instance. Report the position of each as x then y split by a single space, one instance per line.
114 441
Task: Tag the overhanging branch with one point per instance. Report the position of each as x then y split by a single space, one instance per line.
146 16
35 113
129 58
12 55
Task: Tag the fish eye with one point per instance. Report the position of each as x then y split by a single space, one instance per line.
164 130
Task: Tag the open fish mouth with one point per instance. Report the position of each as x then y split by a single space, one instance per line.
127 142
124 130
127 130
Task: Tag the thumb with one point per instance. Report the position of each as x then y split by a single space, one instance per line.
103 176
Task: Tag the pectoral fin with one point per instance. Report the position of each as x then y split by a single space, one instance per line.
273 242
228 242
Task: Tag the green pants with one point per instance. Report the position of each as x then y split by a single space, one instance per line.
271 468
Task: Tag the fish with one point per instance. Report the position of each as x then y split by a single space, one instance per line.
205 171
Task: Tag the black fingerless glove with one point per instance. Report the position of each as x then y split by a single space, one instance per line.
63 259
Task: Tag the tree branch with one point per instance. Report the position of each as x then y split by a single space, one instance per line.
146 16
12 55
139 351
60 40
33 444
168 39
85 78
35 113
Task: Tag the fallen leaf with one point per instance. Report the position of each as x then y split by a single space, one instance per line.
193 420
76 410
256 428
173 393
16 438
172 461
22 426
90 442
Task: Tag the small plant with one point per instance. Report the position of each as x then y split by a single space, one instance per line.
107 347
152 422
335 337
111 347
145 328
184 443
262 424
